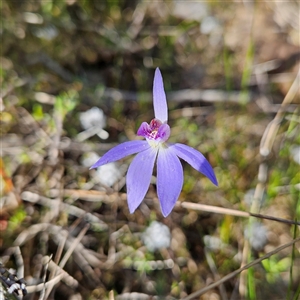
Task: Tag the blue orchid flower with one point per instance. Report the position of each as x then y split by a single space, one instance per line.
155 148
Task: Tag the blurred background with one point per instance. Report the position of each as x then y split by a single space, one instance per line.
76 80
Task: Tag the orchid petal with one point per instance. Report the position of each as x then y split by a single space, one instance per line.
139 176
121 151
144 129
163 133
159 98
169 180
195 159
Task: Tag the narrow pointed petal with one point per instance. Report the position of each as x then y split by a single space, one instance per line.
159 98
139 176
121 151
195 159
169 180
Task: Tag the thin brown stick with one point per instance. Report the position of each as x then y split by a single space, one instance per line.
238 271
46 265
234 212
74 245
41 286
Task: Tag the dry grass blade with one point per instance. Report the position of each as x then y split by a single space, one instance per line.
270 133
19 262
